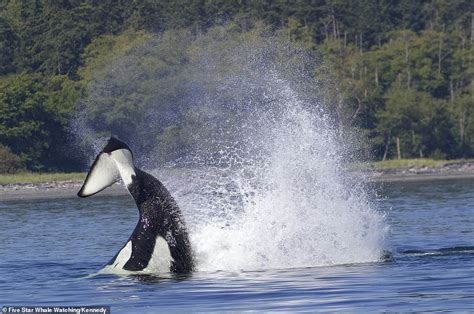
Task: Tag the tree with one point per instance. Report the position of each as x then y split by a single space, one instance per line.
7 47
33 117
403 121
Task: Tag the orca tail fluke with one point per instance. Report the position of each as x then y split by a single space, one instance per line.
114 160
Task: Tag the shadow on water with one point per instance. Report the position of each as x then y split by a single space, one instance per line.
155 279
449 251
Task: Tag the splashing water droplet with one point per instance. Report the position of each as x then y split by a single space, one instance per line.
262 182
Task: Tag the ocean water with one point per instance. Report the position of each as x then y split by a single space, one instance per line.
49 247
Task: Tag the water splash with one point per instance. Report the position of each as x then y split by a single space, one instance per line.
261 179
291 204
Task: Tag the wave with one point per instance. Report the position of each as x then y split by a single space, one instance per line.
455 250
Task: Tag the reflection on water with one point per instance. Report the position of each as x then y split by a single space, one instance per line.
431 214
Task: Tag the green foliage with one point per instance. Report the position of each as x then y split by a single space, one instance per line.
404 116
9 162
120 95
416 87
32 111
105 48
396 69
35 177
7 47
406 163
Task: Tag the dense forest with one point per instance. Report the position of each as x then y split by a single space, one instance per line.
404 69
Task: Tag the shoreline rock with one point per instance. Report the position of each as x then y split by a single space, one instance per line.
50 190
449 171
69 188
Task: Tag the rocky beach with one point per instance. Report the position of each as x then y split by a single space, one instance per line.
69 188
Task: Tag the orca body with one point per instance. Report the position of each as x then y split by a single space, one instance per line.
159 242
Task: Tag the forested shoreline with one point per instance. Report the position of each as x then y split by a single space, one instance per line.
403 71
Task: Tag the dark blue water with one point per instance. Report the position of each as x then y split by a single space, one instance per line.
49 246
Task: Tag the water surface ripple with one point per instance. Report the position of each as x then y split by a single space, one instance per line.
50 246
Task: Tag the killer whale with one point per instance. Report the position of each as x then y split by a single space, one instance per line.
160 242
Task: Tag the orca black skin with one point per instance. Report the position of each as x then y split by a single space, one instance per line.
115 144
159 214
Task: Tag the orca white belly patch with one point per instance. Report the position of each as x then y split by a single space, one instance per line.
116 267
161 259
123 256
159 262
